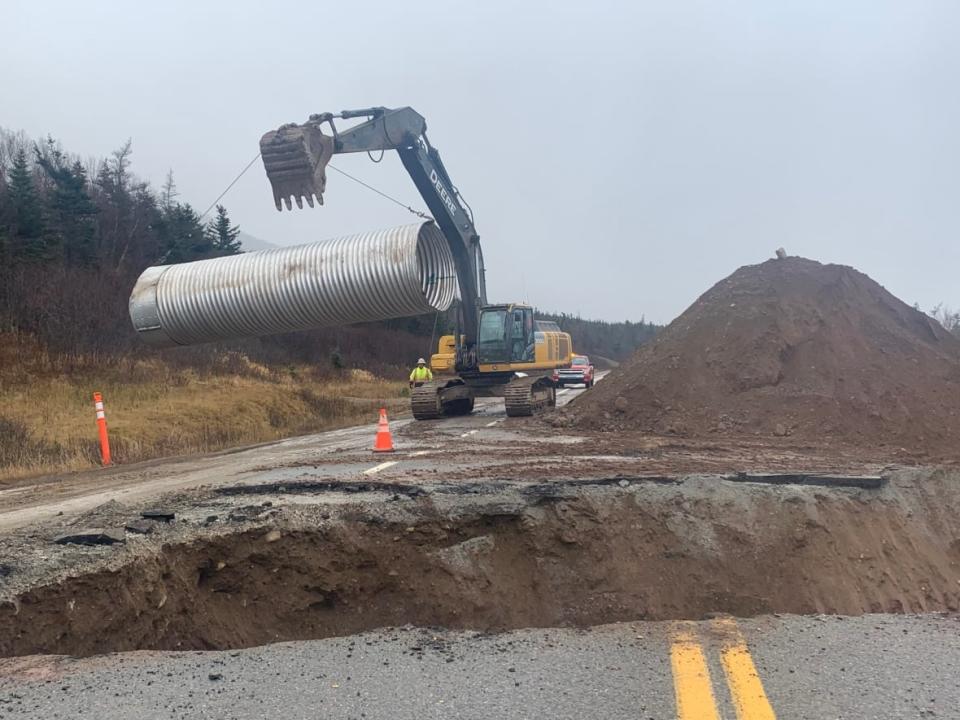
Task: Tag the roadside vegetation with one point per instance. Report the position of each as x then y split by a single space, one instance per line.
155 408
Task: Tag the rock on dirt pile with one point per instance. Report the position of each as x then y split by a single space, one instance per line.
791 347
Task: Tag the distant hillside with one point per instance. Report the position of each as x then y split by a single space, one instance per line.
251 243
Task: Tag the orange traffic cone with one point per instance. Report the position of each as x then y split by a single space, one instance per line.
384 441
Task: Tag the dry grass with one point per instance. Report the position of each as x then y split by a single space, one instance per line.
47 423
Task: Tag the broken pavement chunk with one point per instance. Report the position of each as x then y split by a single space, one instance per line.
92 536
158 514
141 527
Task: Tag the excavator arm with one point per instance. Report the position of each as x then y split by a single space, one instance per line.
296 156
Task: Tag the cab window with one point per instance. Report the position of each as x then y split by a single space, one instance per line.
523 336
507 336
493 337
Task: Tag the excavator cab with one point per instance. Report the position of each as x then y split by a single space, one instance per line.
507 335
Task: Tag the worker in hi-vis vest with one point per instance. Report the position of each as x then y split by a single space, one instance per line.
420 374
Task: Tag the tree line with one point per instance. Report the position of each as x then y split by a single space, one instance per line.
613 340
56 209
75 235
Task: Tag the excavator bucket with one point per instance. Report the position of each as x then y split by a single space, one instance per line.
295 158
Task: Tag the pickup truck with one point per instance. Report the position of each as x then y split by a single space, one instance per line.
580 372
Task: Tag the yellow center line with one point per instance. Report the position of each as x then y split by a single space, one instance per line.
691 678
749 698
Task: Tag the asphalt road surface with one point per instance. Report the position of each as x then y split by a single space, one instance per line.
773 667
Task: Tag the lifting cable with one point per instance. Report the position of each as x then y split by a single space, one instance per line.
418 213
242 172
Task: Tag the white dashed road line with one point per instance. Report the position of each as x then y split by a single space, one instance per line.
382 466
469 432
491 424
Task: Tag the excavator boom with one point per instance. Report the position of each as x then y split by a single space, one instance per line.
498 349
296 156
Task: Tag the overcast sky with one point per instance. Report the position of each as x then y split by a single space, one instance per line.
620 157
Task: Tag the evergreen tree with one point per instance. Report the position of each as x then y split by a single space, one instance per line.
182 236
223 234
27 230
70 211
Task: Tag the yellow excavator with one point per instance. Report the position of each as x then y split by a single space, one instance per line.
497 350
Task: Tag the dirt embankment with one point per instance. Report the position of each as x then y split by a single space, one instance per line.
791 347
562 556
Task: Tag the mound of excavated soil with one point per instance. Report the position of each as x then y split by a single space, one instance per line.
791 347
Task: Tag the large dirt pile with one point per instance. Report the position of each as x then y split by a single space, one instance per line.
791 347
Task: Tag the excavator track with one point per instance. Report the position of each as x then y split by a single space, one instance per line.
433 400
527 396
425 402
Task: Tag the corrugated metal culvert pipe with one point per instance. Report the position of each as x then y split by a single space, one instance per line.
372 276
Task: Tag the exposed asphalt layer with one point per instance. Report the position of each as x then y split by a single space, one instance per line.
874 666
